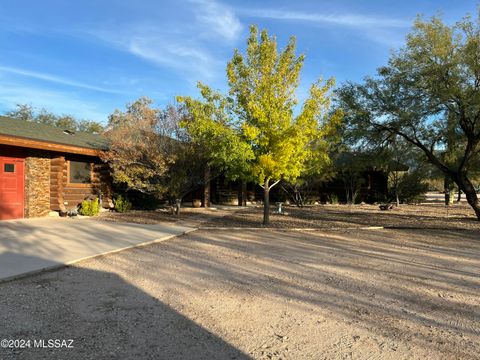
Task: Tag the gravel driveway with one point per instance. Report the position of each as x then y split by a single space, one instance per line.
264 294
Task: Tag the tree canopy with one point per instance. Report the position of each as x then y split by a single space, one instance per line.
67 122
269 141
428 94
151 153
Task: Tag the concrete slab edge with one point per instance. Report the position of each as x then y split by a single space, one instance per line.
68 263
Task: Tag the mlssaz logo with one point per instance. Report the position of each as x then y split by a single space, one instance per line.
53 343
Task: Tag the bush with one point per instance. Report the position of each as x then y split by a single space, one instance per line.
333 199
412 188
142 201
121 204
89 207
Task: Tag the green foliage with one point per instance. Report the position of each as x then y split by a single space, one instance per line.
428 95
27 112
89 207
412 187
262 85
210 130
333 199
121 204
253 132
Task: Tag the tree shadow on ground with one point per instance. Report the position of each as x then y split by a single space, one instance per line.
419 286
107 317
329 217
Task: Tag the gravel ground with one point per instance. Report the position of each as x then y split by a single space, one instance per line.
148 217
328 217
263 294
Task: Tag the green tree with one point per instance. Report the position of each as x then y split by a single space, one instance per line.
27 112
217 141
263 85
429 91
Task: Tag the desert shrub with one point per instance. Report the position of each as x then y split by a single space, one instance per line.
121 204
412 188
333 199
143 201
89 207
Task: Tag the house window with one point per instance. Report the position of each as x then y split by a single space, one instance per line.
9 168
80 172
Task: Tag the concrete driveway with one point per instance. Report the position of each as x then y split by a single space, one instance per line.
31 245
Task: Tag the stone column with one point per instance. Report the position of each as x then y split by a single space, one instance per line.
37 184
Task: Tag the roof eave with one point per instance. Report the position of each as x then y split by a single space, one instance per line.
44 145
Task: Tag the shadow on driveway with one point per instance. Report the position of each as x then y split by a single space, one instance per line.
35 244
107 318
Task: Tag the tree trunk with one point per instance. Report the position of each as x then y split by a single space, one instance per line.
206 188
459 197
242 193
446 188
465 185
396 197
266 203
178 205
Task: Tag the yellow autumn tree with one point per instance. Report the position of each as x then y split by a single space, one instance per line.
263 85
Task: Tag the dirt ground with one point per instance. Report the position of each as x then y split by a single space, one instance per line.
262 294
322 217
152 217
328 217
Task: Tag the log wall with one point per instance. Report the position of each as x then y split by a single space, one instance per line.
67 196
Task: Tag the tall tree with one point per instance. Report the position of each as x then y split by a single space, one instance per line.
138 156
263 85
151 153
429 90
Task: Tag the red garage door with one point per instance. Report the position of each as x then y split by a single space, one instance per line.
11 188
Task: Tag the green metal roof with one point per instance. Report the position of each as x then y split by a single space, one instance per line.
51 134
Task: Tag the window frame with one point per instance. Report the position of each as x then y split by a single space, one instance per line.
9 172
75 184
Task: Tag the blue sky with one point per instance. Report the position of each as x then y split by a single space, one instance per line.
90 57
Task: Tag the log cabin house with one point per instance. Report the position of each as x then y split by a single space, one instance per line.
45 168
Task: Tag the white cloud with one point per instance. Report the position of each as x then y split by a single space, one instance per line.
219 19
169 53
171 50
55 101
350 20
192 49
55 79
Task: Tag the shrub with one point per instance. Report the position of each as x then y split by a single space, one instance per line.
333 199
121 204
143 201
412 188
89 207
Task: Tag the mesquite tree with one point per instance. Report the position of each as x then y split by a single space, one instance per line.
428 94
